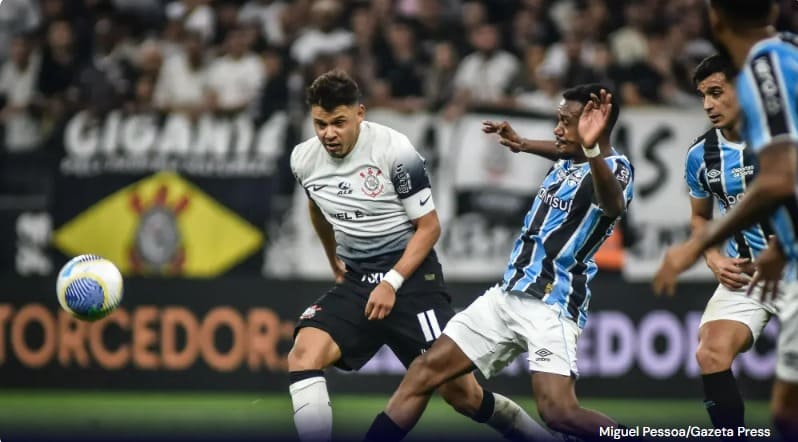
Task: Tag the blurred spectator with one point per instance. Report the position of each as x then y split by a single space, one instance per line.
538 88
269 15
578 61
434 26
142 101
653 80
484 76
60 67
171 38
541 27
368 43
473 13
235 79
107 79
53 10
400 76
148 66
16 17
323 36
628 43
18 90
274 94
546 95
181 84
439 78
196 15
227 13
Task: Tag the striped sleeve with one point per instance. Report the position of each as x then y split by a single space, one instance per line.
624 173
767 102
694 167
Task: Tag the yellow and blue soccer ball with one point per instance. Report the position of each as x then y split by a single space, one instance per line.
89 287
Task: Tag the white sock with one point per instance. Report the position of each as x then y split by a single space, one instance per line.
514 423
312 410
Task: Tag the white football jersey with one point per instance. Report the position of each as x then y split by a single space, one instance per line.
371 195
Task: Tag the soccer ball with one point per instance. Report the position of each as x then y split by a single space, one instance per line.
89 287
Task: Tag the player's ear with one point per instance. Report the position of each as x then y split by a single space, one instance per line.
361 112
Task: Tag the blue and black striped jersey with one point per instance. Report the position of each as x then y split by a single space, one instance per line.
552 259
718 168
767 90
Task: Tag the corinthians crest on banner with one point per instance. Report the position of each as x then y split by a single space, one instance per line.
161 225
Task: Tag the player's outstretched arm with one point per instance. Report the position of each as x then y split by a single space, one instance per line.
508 137
325 232
592 122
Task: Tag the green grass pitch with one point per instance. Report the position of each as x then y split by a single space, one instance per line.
200 415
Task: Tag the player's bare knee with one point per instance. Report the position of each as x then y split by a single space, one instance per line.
713 358
559 417
300 358
422 375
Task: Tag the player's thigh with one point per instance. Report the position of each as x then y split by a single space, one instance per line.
313 349
550 337
723 338
787 347
481 332
554 394
733 305
339 314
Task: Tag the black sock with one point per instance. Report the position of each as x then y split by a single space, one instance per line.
485 408
723 400
384 429
296 376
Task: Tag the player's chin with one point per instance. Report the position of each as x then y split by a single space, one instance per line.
565 153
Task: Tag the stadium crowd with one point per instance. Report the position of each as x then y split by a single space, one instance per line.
257 56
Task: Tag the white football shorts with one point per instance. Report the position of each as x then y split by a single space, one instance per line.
734 305
498 326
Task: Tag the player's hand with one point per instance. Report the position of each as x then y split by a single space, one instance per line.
769 270
677 259
594 118
507 135
381 301
731 272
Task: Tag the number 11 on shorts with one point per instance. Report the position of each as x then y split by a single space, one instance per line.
429 325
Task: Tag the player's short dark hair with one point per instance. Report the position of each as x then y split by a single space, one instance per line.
755 12
581 94
332 89
714 64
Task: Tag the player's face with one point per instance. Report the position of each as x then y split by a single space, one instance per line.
566 139
720 100
338 129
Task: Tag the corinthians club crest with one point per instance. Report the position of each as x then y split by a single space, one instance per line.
158 244
372 184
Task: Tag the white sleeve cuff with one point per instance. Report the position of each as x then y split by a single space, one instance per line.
419 204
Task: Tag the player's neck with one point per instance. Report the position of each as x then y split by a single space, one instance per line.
731 134
742 43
